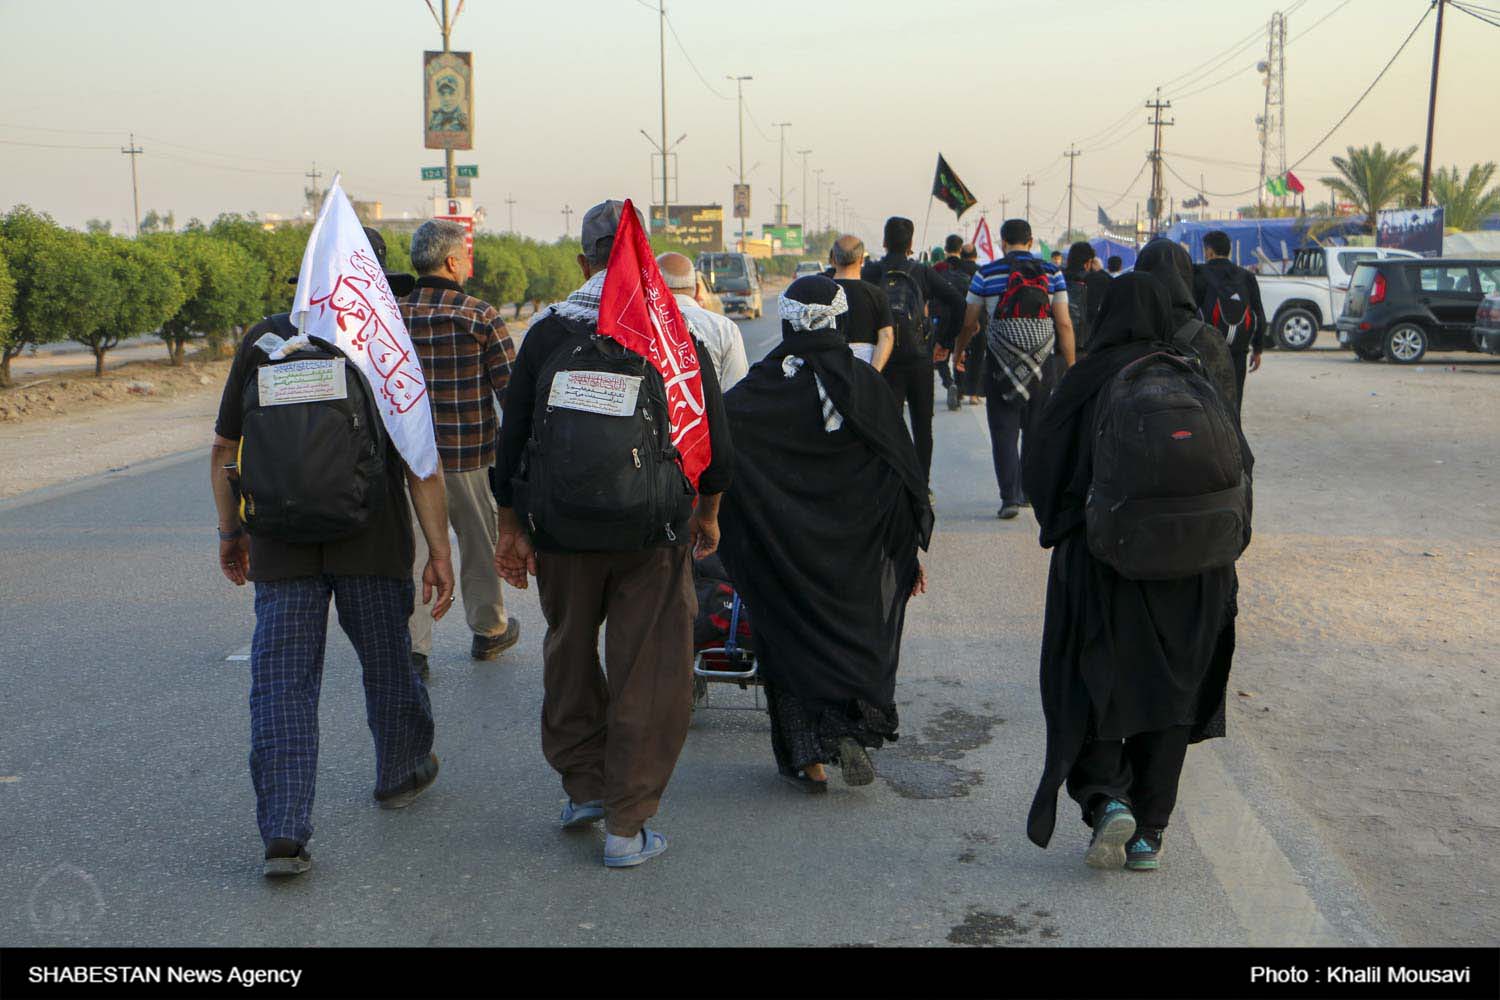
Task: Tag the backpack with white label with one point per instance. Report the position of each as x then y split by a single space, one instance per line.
600 472
1169 496
311 465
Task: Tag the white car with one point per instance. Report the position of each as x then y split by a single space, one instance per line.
1310 296
806 267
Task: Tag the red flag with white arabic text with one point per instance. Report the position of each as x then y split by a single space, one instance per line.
638 311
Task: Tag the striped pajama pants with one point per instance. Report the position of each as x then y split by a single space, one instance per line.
286 676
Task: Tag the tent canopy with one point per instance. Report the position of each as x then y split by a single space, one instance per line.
1278 239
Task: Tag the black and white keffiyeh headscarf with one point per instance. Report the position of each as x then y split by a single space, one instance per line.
810 304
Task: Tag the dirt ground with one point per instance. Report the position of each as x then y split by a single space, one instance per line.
1368 644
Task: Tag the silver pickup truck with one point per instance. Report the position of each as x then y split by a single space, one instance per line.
1310 296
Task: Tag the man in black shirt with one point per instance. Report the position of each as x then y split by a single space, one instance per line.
1220 277
867 326
958 267
909 371
369 576
613 735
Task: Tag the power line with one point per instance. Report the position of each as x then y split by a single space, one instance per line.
683 48
48 145
1473 14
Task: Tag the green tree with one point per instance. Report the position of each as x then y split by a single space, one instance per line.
74 293
7 313
159 222
223 285
279 252
24 235
397 251
134 291
499 276
1466 202
1374 178
98 226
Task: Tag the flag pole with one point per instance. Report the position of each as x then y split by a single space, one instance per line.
930 199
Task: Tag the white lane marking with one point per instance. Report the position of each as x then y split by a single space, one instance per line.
1264 890
241 655
9 779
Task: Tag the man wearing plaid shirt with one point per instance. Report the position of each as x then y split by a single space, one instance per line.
466 357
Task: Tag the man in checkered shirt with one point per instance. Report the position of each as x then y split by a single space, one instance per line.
466 357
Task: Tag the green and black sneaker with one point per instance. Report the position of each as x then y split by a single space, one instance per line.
1143 854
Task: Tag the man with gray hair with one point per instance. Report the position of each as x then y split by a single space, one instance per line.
612 735
466 356
718 333
868 325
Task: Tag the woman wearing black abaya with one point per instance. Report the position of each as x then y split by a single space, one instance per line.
1170 264
1131 671
820 537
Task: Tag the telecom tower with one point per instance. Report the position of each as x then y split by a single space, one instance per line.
1272 121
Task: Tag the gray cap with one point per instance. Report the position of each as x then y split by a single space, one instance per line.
600 224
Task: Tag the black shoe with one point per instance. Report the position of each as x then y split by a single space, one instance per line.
420 780
855 762
487 647
419 664
285 857
1009 511
955 398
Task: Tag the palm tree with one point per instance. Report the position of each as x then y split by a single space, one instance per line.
1466 203
1374 178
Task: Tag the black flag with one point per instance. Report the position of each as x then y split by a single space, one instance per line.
948 189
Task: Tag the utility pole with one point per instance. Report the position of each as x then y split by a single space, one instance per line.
567 214
1153 203
1004 200
313 195
781 181
1072 154
446 24
510 209
1437 50
133 151
1028 183
666 214
818 179
739 89
804 153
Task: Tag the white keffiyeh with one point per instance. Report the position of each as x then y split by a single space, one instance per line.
832 418
804 316
582 306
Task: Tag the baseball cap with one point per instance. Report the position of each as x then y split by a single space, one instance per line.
600 224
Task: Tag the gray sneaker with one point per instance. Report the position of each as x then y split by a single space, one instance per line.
1009 511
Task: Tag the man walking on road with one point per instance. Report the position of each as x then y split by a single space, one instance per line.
715 331
368 574
958 267
1031 329
466 355
867 326
910 285
1229 300
614 735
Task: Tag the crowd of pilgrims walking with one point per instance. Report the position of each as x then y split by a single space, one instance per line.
1113 411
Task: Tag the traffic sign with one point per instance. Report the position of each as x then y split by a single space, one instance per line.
434 173
469 170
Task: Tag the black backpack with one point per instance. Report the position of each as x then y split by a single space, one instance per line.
596 481
1170 497
311 469
908 309
1226 306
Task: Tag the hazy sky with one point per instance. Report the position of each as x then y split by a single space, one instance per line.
233 102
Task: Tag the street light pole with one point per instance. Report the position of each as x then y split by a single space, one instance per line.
804 153
818 176
739 88
781 178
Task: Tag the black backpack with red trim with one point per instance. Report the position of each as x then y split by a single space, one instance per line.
1226 306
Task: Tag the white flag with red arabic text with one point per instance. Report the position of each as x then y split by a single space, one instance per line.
343 298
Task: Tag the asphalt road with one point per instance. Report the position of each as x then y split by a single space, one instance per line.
127 815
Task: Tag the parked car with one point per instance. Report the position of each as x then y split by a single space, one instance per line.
735 278
1487 323
1310 296
1400 309
806 267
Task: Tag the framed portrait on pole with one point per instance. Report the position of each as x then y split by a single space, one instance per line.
448 100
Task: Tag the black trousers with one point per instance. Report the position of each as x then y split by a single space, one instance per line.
911 381
1141 771
944 374
1240 359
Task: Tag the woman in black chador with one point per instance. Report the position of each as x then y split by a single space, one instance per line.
820 535
1132 671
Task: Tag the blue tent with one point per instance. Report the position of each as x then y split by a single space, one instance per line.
1278 239
1106 248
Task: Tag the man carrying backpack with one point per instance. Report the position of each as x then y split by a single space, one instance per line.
322 490
593 503
909 286
958 270
1229 299
1029 330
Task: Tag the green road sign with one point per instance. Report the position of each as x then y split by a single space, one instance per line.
471 170
436 173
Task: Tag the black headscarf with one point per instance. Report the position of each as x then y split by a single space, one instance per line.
1170 264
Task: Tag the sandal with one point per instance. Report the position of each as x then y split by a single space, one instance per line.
653 844
799 780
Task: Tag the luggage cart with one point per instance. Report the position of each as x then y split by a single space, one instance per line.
730 663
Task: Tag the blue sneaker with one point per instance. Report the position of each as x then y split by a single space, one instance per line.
579 816
1114 824
1143 854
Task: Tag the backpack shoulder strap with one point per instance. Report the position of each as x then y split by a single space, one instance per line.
1182 339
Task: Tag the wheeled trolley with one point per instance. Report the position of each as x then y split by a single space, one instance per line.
727 663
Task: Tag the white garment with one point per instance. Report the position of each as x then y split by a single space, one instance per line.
864 352
720 335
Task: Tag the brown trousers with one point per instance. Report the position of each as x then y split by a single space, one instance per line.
615 733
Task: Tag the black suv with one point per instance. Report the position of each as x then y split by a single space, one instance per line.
1400 308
